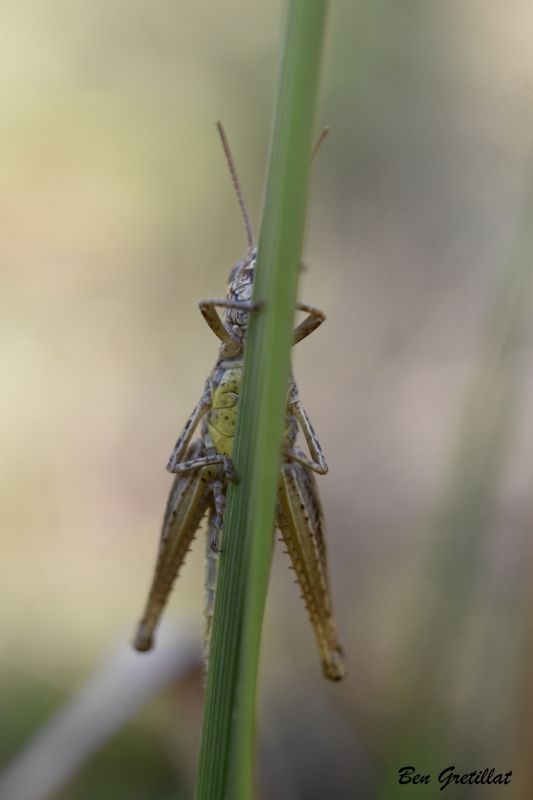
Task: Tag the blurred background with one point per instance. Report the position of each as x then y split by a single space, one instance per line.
118 216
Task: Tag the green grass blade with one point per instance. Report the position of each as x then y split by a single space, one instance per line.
225 767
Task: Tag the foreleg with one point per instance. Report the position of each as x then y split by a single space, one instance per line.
209 313
316 317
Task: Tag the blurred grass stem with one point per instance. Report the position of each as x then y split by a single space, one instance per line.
464 595
225 767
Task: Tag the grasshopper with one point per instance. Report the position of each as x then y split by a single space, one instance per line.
203 469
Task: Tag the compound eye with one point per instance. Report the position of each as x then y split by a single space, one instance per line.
233 272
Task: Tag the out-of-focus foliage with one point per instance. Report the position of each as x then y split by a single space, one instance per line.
118 217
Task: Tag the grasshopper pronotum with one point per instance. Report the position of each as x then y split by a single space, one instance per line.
204 468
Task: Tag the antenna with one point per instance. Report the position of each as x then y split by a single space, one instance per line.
318 144
244 211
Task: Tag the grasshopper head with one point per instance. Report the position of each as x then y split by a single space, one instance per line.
240 285
241 278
